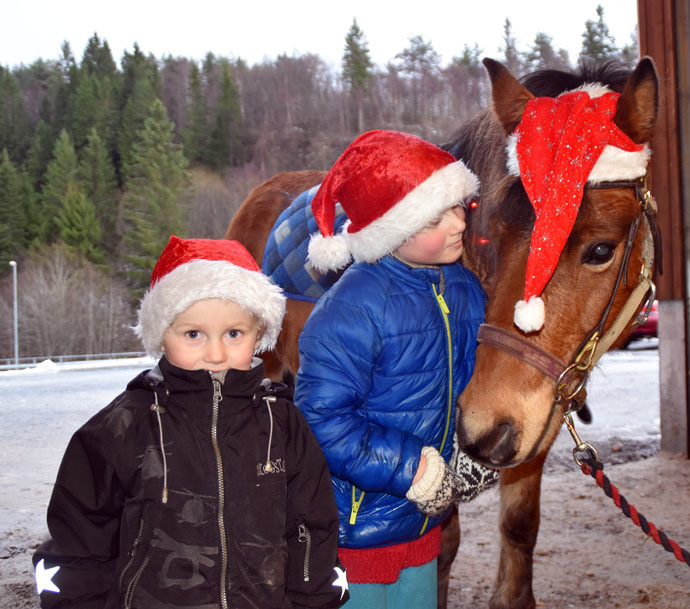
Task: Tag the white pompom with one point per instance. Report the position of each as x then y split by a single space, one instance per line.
328 253
529 316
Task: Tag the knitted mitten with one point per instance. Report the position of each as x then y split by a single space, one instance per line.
470 478
433 492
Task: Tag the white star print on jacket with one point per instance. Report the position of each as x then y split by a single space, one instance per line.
44 578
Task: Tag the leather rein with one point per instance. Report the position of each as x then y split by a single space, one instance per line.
570 379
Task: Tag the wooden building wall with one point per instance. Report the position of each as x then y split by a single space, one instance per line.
665 36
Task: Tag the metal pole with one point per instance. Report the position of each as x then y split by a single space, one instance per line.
13 264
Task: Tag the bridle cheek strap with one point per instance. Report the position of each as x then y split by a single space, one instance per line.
645 292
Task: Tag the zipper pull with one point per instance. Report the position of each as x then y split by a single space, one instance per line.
355 505
217 395
304 536
442 303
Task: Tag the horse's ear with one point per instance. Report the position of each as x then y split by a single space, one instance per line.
510 97
639 102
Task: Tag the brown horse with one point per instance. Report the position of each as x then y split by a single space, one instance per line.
506 413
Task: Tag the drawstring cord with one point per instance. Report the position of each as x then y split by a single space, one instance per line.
158 409
268 400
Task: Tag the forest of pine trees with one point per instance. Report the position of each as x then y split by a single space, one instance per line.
100 163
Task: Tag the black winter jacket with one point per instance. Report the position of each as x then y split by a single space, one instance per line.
189 492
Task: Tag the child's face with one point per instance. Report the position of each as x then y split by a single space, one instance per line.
440 243
212 334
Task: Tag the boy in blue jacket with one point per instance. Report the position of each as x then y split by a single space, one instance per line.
384 355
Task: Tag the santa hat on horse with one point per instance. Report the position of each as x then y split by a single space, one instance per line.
190 270
561 144
391 185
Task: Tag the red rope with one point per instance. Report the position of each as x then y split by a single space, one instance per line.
595 468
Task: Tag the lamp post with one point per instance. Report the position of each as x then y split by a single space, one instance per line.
13 264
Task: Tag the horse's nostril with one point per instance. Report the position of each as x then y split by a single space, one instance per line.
498 447
501 444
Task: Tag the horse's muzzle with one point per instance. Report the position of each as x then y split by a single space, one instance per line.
497 448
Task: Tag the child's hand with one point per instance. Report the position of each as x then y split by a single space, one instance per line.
437 485
432 485
420 468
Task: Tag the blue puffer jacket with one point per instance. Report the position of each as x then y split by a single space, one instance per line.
378 356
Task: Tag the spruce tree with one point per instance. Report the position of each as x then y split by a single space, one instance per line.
512 57
97 95
97 174
13 202
139 91
196 133
65 98
357 70
421 63
40 154
97 59
78 224
32 211
60 180
597 43
475 89
86 108
156 197
542 56
630 53
228 136
15 125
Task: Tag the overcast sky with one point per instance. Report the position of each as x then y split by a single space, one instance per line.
255 30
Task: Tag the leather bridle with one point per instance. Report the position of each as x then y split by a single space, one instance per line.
570 379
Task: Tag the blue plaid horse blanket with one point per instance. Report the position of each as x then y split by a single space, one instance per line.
285 255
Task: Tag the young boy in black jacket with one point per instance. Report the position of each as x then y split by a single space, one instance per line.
201 485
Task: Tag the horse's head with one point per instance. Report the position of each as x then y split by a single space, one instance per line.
508 413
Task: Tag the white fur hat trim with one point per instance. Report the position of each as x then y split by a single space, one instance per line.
202 279
447 187
613 163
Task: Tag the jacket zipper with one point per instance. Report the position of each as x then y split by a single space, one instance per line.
444 311
304 536
129 596
132 554
355 504
217 397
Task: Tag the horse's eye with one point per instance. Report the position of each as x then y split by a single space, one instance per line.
599 253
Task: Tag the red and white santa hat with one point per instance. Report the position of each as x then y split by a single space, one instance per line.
561 144
190 270
391 185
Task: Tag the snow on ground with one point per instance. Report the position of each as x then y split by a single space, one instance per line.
41 407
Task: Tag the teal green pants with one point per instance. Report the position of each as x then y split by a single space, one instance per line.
415 589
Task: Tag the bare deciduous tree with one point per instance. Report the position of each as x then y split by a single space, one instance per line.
68 306
216 199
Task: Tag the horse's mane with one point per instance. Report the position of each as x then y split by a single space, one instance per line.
551 83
